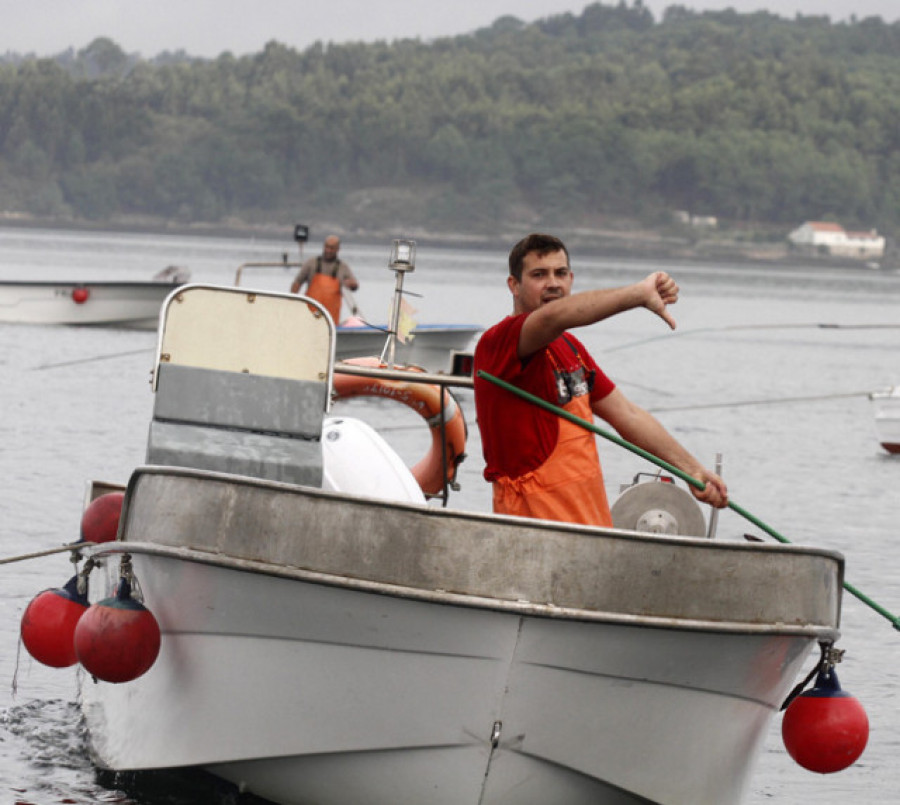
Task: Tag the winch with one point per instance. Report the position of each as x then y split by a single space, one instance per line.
658 506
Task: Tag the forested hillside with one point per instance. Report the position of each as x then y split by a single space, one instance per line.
749 117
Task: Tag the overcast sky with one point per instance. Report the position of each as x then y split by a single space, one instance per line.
207 28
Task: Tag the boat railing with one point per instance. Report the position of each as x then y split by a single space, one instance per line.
386 373
284 263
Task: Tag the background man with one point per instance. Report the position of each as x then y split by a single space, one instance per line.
326 275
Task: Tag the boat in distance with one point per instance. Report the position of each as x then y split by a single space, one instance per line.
124 304
431 346
330 635
886 404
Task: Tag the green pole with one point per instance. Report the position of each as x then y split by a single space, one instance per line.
561 412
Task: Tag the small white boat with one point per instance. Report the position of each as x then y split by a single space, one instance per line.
431 346
329 636
887 417
131 305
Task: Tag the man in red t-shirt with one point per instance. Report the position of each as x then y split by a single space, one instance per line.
540 464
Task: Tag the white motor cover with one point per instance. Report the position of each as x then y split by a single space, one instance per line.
357 460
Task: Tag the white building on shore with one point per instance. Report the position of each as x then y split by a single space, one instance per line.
822 237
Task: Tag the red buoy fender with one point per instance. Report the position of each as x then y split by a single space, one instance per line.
117 639
48 624
825 729
427 400
80 295
100 520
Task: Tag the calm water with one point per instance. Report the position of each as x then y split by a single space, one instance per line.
751 373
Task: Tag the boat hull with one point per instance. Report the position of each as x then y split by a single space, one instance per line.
132 305
431 346
427 676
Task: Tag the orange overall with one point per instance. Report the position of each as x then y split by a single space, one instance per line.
327 291
568 486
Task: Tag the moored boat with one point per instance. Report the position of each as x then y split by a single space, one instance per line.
887 417
432 346
437 347
132 305
329 636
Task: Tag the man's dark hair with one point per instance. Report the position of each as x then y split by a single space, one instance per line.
535 242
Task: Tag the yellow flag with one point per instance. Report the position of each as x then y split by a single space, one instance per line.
406 323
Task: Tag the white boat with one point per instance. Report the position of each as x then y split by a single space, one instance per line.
131 305
431 346
329 636
887 417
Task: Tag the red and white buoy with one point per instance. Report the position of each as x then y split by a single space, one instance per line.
117 639
825 729
49 622
100 521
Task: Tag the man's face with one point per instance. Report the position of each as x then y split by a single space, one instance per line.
330 248
544 278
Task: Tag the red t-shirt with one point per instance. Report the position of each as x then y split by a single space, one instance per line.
518 436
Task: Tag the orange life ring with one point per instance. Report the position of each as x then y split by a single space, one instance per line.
425 399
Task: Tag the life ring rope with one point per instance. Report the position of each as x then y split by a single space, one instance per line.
438 408
446 413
